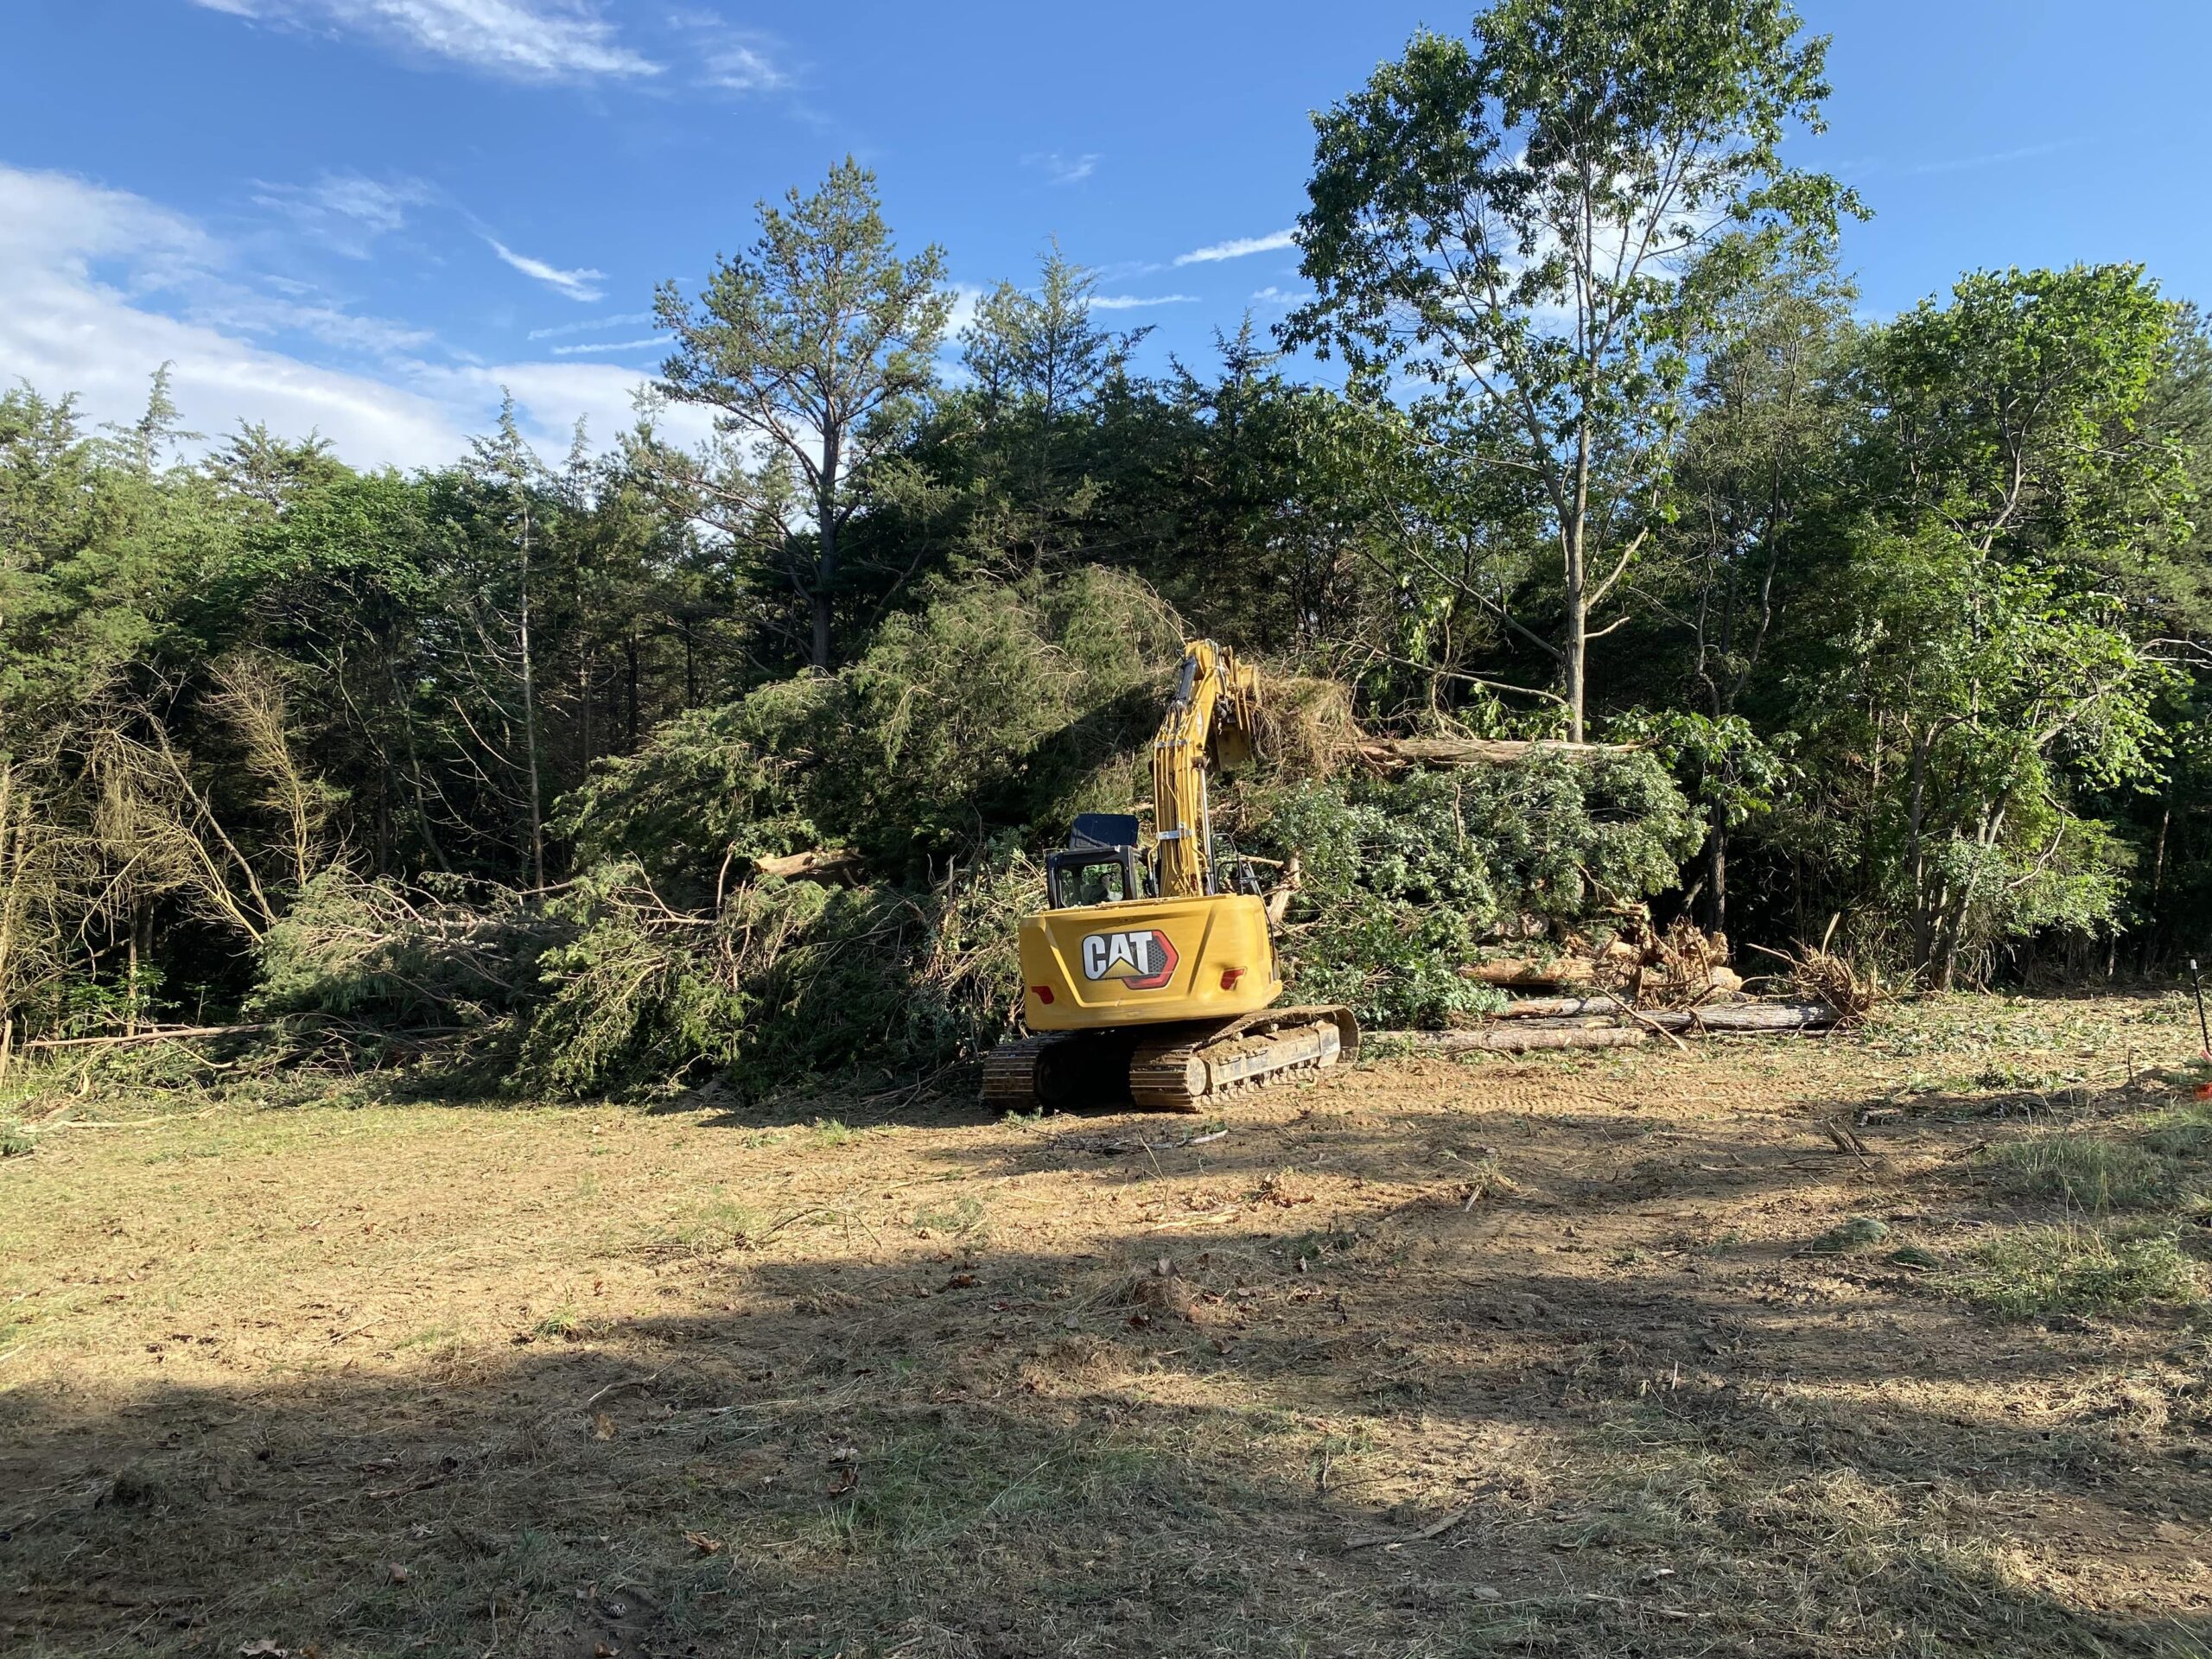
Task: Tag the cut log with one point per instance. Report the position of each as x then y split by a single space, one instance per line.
1727 1019
820 862
1569 1008
1516 1038
1559 1007
1520 974
1476 751
1573 1028
1747 1017
1285 890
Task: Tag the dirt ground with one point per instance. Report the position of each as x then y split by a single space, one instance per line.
1428 1357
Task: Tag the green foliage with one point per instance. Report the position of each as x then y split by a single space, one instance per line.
1909 610
992 708
733 780
444 955
1952 707
1529 231
810 346
787 983
2013 412
1403 877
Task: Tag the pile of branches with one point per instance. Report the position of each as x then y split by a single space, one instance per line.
602 987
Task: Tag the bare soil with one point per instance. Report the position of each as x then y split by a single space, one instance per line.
1428 1357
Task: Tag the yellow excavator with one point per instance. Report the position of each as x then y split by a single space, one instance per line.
1151 974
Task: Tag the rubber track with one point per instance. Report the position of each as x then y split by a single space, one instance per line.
1010 1072
1186 1073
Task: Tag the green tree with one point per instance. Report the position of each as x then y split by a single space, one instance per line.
514 477
805 348
1536 225
2012 413
1953 707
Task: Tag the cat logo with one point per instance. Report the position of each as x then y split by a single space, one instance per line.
1143 961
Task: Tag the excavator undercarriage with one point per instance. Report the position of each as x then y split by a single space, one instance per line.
1186 1067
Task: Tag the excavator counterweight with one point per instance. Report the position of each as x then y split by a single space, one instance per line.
1149 975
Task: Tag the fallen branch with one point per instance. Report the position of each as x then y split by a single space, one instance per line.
120 1123
1585 1032
1476 751
820 862
1560 1007
1748 1017
1433 1530
168 1034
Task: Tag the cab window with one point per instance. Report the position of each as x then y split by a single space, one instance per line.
1104 882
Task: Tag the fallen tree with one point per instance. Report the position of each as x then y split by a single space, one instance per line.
1635 1025
1476 751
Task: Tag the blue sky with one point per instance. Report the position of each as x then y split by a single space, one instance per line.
368 216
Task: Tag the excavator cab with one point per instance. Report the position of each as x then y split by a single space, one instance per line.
1103 864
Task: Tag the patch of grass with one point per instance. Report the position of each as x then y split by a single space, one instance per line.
15 1141
963 1217
1860 1233
829 1132
2087 1172
2039 1270
562 1324
1311 1247
2164 1162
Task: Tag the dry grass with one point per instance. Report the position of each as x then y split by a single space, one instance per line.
1510 1357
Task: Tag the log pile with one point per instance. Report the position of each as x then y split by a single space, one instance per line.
1638 986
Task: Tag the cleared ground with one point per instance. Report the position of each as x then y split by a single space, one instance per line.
1596 1355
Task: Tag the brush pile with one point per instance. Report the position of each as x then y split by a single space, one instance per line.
1639 984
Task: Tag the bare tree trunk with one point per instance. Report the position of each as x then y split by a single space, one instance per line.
2158 883
630 655
530 721
825 566
131 973
1716 880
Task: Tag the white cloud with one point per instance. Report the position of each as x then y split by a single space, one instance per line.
1132 301
345 211
608 346
1966 163
520 39
103 287
620 320
576 284
737 67
1061 168
966 298
1239 248
1272 295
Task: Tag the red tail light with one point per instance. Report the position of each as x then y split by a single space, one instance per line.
1044 993
1230 977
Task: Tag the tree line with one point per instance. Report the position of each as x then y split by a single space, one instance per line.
1914 611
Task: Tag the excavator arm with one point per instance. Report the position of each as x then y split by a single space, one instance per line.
1211 724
